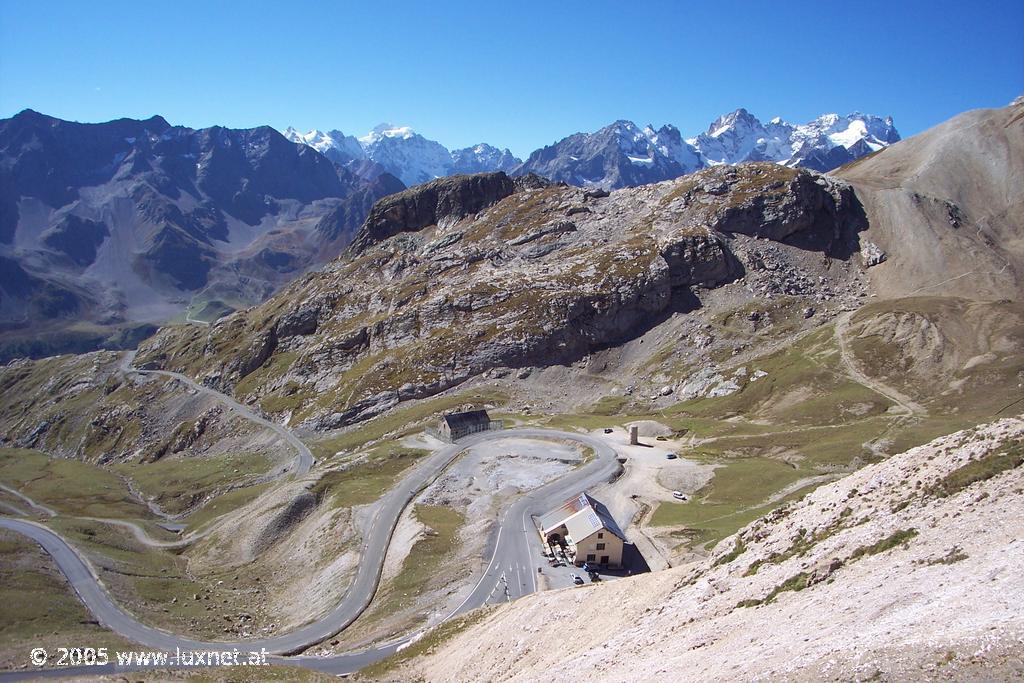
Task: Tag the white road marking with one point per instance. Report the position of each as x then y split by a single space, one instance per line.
497 542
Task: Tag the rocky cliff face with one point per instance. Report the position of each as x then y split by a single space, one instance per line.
132 219
441 203
463 275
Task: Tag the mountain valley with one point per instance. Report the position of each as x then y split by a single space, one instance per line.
818 336
111 229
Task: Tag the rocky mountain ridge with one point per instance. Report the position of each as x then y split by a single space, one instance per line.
451 279
470 276
623 154
130 222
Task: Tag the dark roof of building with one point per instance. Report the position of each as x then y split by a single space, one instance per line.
467 419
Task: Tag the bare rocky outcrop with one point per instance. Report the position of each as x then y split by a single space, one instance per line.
445 200
258 352
282 523
772 202
453 278
699 259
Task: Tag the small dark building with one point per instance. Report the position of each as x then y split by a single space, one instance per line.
454 426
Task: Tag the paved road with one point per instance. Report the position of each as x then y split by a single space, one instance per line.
144 538
303 458
512 552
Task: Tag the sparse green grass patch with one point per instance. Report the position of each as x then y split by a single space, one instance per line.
136 574
805 385
178 483
39 608
433 639
954 555
423 564
608 405
275 368
737 550
709 522
422 570
897 538
797 582
367 481
1006 457
803 542
223 504
69 486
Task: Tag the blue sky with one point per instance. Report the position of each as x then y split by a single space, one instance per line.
516 74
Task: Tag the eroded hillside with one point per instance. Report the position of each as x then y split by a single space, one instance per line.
946 206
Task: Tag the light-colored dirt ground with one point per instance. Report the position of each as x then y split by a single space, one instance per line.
648 477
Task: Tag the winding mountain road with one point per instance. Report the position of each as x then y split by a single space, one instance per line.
303 458
510 548
48 511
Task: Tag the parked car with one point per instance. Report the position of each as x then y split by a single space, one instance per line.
679 495
578 580
608 430
671 456
594 577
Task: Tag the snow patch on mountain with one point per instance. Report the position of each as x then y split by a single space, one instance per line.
406 154
386 130
334 144
740 136
481 158
619 155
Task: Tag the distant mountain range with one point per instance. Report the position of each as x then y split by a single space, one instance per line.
400 151
132 222
619 155
108 229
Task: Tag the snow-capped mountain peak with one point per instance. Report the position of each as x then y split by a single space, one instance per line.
387 130
334 144
404 153
483 157
824 143
621 153
740 120
618 155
